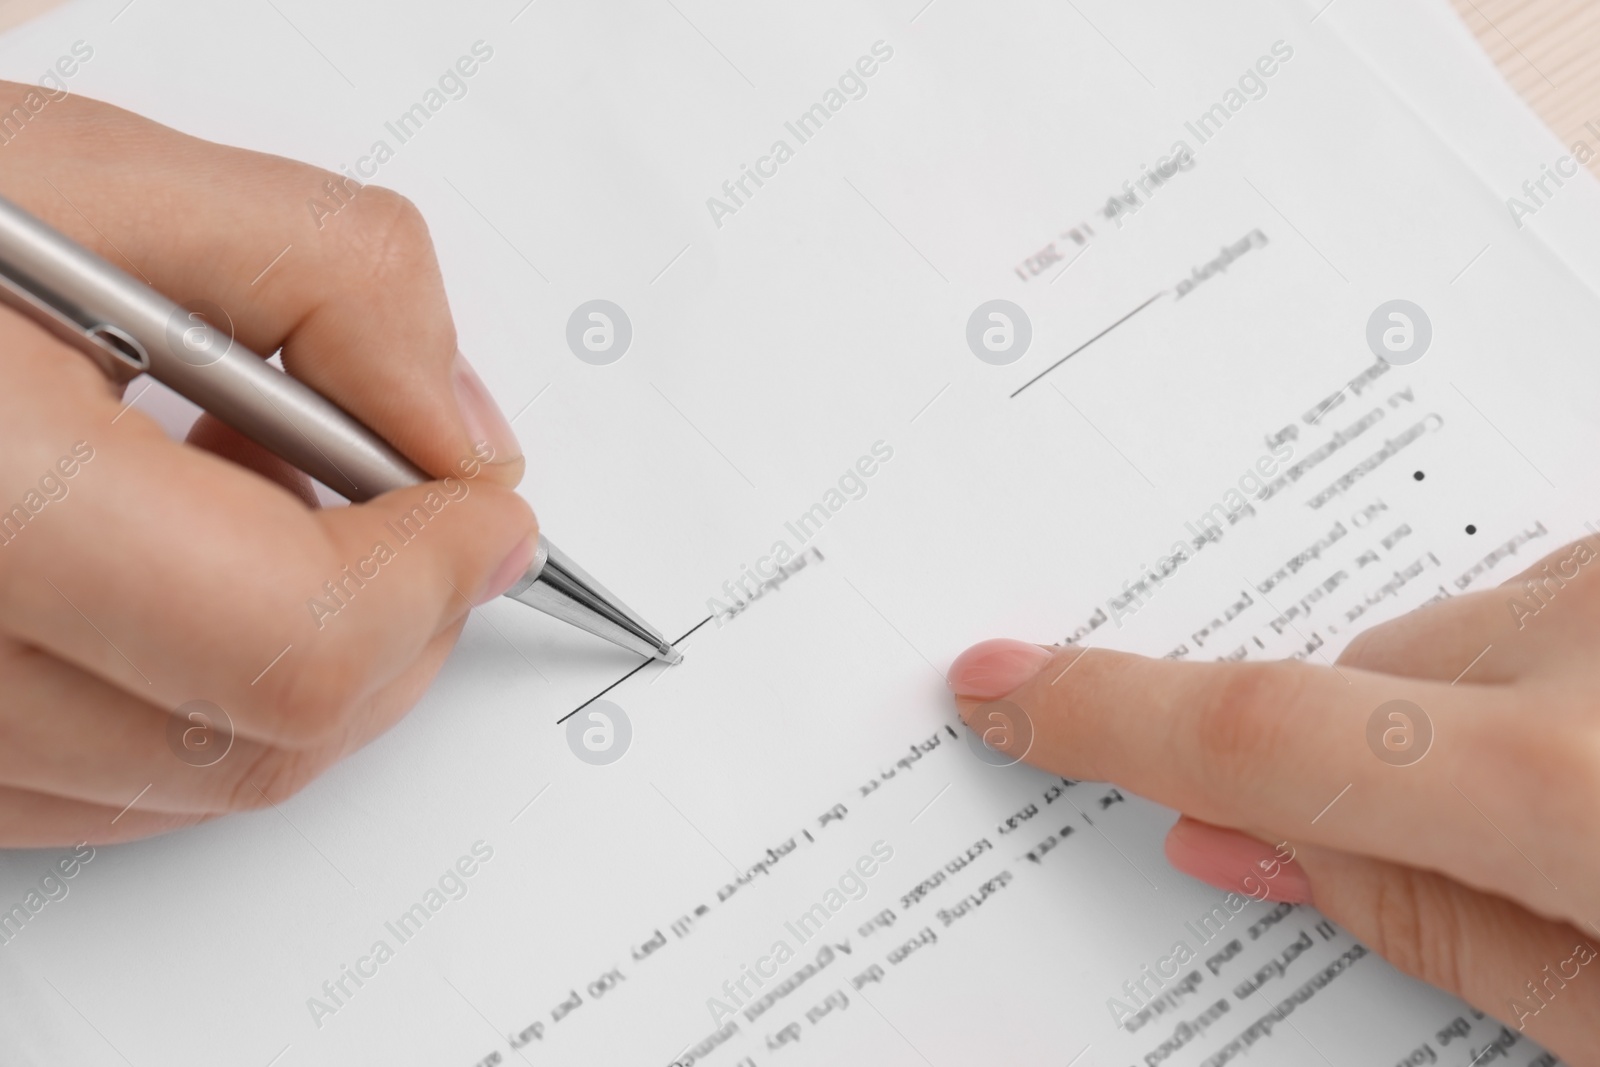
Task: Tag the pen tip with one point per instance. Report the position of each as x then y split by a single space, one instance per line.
669 655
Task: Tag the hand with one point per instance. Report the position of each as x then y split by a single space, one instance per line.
138 574
1475 867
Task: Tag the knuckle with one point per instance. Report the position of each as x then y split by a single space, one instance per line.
1352 655
1529 758
1359 653
390 236
312 703
1417 928
1241 717
271 776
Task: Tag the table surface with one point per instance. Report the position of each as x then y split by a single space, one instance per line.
1543 48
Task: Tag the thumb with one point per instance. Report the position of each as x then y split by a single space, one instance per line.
400 570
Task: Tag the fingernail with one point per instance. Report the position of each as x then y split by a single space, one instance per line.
993 669
1239 863
510 571
485 422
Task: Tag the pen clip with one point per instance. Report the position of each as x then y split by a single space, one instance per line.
119 356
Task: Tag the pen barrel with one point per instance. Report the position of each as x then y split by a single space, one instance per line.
202 363
128 327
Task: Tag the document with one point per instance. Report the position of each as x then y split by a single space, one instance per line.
841 336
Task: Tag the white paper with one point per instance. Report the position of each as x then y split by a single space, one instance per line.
1431 58
826 317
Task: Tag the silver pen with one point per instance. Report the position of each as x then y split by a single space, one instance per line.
129 329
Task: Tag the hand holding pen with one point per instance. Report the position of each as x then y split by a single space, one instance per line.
146 585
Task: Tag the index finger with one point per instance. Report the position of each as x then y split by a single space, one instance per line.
1283 750
351 293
